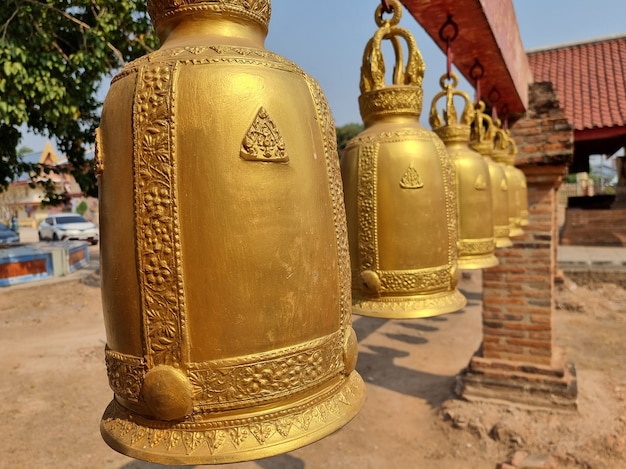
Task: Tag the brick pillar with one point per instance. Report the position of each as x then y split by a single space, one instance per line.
518 361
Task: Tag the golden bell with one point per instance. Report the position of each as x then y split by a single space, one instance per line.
482 140
476 240
522 183
399 192
225 261
504 154
522 198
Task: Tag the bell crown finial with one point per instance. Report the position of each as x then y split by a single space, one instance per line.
505 148
482 131
405 94
455 128
256 10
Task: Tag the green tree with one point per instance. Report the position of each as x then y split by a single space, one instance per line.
82 207
54 55
346 133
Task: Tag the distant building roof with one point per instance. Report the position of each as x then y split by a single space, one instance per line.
48 156
590 81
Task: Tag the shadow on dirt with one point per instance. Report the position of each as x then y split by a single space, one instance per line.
283 461
378 368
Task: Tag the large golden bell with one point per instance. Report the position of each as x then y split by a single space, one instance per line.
225 262
482 141
399 193
504 153
476 240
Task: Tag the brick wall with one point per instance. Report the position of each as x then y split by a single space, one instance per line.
594 227
518 294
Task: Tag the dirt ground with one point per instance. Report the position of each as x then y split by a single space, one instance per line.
54 389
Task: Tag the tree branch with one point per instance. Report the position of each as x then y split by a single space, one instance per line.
5 26
83 25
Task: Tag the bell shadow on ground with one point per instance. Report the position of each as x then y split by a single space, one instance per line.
282 461
365 326
409 339
150 465
472 295
419 326
378 368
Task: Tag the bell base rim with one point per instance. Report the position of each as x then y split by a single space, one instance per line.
478 262
503 243
514 232
253 435
409 307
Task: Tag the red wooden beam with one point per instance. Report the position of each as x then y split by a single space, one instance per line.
488 32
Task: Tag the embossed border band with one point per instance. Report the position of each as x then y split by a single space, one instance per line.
156 216
231 383
409 281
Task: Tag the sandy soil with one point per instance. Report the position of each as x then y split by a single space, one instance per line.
54 389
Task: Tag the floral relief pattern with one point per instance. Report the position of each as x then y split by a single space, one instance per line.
155 205
233 383
125 374
257 9
366 207
229 437
477 246
229 384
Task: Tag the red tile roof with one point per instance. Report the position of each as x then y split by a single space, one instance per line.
589 78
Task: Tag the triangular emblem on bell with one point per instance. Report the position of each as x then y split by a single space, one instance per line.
399 192
476 239
482 141
225 263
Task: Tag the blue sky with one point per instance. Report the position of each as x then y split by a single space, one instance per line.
326 38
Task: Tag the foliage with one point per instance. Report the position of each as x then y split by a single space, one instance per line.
54 55
570 178
82 207
347 133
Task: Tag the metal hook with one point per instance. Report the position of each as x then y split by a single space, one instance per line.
494 95
386 7
455 30
448 40
477 71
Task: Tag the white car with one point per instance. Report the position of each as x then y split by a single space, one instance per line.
68 226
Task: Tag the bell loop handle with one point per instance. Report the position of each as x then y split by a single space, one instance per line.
388 6
452 77
450 115
373 68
